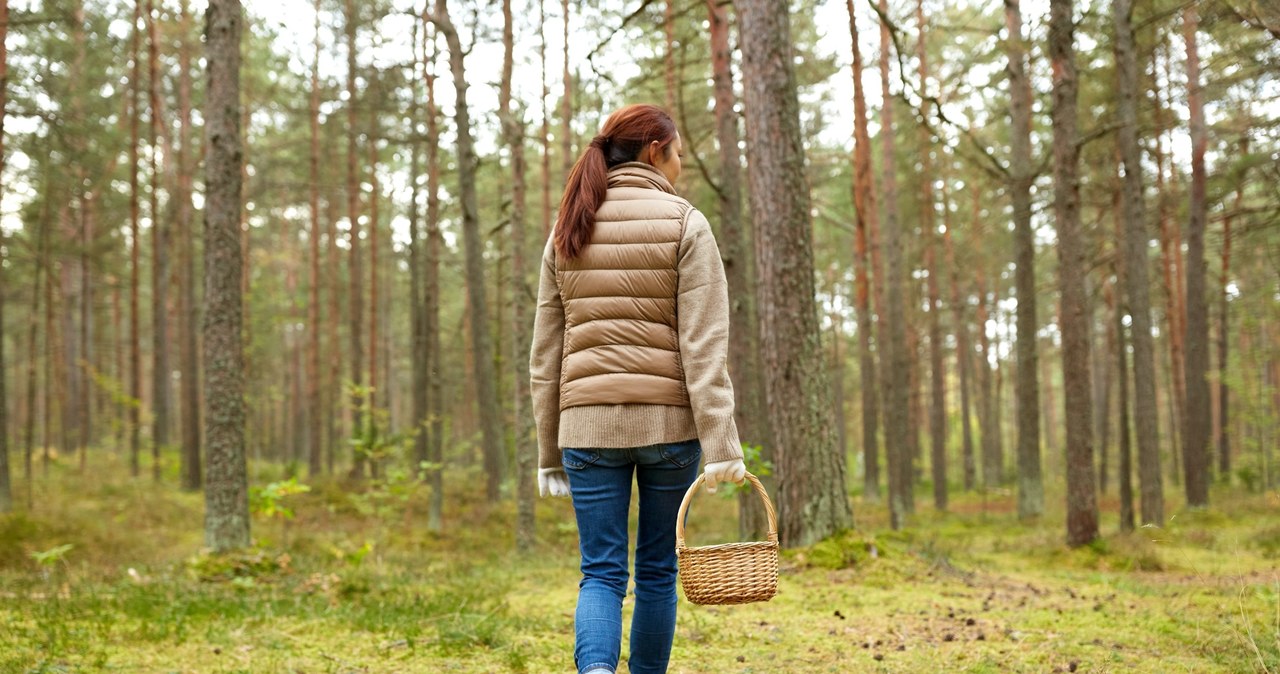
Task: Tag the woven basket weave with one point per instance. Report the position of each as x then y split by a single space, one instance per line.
731 573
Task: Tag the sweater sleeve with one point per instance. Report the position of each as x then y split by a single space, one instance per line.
545 360
702 311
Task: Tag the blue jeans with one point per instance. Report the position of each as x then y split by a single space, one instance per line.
600 482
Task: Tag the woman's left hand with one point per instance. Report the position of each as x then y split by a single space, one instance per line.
553 482
733 470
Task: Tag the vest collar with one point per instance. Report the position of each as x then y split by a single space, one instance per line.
639 174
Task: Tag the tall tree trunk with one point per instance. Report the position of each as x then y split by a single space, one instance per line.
187 307
435 388
991 467
735 249
937 375
1124 472
226 492
811 486
482 349
1082 502
894 365
315 433
1224 321
1135 247
417 316
41 273
864 199
1102 388
963 350
160 370
1030 483
6 487
1197 421
566 102
1171 265
355 270
546 121
373 397
135 357
525 439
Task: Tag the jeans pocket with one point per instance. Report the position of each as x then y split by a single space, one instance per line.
577 459
682 454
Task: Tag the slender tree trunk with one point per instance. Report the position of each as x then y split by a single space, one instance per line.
963 354
525 438
135 371
1030 485
991 467
894 365
226 492
1082 502
546 121
187 307
482 349
355 270
160 370
1224 319
864 199
735 249
373 397
435 388
1102 389
1197 421
315 432
1135 247
1124 472
41 273
1171 266
417 317
928 210
811 484
566 101
6 487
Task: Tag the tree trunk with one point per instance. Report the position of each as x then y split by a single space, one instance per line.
1082 502
991 467
963 354
735 249
1135 254
1030 484
355 270
811 488
864 199
435 388
226 492
1224 320
566 102
894 355
373 397
521 339
187 307
1102 389
160 370
928 210
1195 451
41 273
481 343
315 433
417 316
6 487
1171 266
135 359
546 121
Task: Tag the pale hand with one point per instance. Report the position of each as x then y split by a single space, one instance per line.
724 471
553 482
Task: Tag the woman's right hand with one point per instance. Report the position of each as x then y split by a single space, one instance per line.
553 482
733 470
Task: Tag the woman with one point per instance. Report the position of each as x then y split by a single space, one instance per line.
629 374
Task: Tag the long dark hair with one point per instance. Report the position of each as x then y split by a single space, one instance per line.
625 134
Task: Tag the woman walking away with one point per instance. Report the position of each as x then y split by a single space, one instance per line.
630 377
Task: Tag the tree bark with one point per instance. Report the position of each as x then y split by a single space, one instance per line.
521 339
864 199
374 396
937 375
160 369
1135 247
355 270
226 492
187 306
894 365
991 463
135 358
963 350
1224 325
566 102
481 343
811 491
6 486
435 388
735 249
1082 502
546 121
417 310
1196 423
1030 483
315 433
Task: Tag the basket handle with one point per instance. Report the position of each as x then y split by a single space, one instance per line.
755 483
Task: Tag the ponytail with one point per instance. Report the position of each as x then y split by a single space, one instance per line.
625 134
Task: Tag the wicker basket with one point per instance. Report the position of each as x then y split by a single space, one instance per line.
731 573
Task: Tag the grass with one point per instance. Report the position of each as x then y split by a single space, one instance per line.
362 586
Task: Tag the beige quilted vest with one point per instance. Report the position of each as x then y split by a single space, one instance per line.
619 297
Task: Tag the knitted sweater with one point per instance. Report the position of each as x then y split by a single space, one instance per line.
699 314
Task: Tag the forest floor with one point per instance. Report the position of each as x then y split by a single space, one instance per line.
356 583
